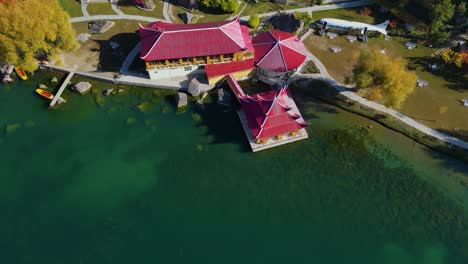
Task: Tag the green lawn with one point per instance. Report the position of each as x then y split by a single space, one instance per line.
130 9
100 9
200 16
72 7
264 6
347 14
436 105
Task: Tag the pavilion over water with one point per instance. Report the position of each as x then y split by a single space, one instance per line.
270 118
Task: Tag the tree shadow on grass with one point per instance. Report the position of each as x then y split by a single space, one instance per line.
111 59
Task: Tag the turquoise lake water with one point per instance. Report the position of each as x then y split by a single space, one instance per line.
97 180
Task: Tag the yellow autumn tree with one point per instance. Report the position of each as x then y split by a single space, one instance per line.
384 77
31 28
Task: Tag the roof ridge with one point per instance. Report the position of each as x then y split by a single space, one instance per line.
154 44
221 28
289 47
282 57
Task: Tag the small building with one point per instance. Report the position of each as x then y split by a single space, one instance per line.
270 118
351 38
286 22
332 35
177 50
277 54
335 49
421 83
410 45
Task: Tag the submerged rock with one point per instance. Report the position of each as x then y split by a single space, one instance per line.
11 128
54 80
144 107
82 87
42 86
108 92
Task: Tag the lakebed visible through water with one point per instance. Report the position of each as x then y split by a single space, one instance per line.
127 179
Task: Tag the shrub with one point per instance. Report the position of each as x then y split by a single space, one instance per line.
254 21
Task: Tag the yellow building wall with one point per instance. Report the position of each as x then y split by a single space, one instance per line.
236 75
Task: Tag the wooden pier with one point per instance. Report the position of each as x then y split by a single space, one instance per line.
62 88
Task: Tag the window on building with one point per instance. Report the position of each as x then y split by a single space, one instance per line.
188 68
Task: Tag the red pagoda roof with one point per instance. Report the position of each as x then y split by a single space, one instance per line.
219 69
162 40
271 113
278 51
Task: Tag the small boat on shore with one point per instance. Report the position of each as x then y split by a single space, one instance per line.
49 96
21 73
45 94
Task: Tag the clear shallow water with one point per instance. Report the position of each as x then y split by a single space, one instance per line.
108 183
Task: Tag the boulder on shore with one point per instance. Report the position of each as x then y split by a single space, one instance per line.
54 80
42 86
181 100
83 37
82 87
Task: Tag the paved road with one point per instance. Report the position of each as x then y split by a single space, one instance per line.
129 59
116 9
113 17
325 76
166 11
84 10
317 8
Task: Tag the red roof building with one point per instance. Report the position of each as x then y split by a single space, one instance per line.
278 51
218 71
162 40
269 114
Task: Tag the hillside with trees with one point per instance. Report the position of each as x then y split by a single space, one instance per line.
31 30
439 18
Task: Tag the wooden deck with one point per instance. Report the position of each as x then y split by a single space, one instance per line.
62 88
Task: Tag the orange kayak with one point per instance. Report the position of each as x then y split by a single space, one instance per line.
45 94
21 73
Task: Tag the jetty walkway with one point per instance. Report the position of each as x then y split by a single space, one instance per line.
62 88
128 79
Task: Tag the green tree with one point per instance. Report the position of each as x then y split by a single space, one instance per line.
384 77
31 28
441 13
254 21
228 6
461 13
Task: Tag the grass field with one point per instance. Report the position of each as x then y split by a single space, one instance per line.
100 9
200 16
437 105
264 6
72 7
96 53
130 9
